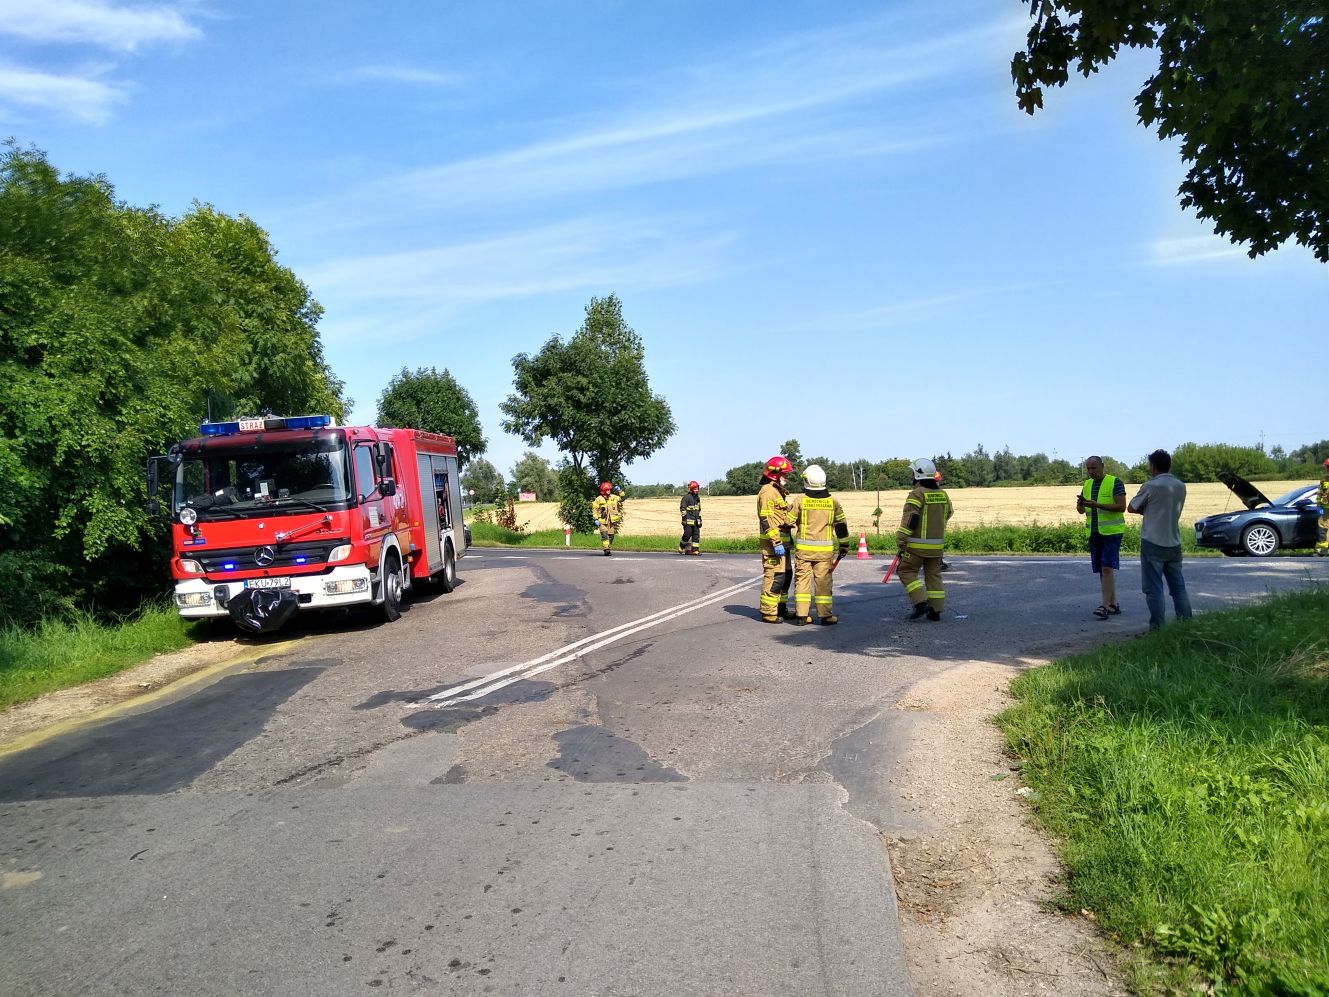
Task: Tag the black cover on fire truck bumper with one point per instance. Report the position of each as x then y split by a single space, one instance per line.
262 610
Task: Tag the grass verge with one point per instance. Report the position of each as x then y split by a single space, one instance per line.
1186 775
65 652
1066 538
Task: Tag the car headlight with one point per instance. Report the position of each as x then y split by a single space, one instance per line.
191 566
188 516
339 553
1223 519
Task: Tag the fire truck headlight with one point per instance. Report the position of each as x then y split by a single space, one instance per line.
191 566
188 516
187 599
339 553
346 586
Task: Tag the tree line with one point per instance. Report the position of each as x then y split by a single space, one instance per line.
980 468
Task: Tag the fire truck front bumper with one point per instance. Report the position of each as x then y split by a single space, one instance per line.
345 585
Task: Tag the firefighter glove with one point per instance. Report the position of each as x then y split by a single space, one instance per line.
597 522
844 549
779 550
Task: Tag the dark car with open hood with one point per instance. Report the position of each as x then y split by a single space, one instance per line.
1263 526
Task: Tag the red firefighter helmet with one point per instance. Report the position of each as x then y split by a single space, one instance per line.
778 467
605 488
693 486
1326 462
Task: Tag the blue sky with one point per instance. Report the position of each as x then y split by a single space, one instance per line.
827 221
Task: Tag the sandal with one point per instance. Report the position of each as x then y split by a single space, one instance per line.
1101 612
1114 609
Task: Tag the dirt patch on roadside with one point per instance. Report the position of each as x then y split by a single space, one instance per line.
974 892
84 700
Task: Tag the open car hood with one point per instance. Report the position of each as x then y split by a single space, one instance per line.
1250 496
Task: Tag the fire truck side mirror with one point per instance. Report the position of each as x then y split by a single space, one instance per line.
387 487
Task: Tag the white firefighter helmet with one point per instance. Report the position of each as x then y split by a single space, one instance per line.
924 469
814 477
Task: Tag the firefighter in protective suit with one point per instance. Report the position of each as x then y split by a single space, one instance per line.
689 507
608 512
921 539
773 527
820 534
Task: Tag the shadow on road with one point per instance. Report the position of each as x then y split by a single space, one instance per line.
158 750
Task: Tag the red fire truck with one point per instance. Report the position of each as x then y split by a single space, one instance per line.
273 515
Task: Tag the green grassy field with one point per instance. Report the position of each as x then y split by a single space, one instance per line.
64 653
1186 775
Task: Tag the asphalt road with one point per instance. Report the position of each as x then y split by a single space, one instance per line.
575 774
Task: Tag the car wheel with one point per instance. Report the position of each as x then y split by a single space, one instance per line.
392 588
447 578
1259 540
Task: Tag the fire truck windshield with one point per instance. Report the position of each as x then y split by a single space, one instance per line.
227 481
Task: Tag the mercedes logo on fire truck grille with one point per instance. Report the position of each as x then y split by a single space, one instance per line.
264 556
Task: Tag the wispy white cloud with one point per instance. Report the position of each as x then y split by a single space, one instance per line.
413 75
431 284
783 102
907 310
1193 249
94 22
78 97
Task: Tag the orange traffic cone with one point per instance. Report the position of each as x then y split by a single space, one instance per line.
863 554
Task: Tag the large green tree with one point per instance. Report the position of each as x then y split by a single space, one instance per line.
485 480
590 394
425 399
118 327
1243 86
533 474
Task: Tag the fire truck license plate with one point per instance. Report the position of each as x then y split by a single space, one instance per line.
267 583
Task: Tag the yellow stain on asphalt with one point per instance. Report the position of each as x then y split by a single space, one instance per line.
240 662
13 880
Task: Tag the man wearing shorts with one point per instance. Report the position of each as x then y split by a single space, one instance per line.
1102 500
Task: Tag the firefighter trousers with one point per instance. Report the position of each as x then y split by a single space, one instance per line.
927 589
776 575
1322 542
607 533
810 574
691 536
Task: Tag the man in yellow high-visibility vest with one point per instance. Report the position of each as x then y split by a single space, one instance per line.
1102 500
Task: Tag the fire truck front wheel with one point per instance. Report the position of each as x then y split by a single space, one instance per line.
447 578
392 588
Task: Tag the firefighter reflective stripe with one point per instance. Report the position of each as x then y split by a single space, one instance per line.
1109 523
914 586
918 543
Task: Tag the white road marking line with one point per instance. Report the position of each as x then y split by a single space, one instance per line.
496 680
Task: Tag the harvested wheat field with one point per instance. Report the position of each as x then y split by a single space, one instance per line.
736 516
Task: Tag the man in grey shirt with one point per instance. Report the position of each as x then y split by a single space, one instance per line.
1160 500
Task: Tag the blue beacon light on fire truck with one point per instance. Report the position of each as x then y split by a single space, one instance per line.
264 424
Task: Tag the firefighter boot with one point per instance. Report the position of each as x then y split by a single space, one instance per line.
933 615
829 621
920 610
802 621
